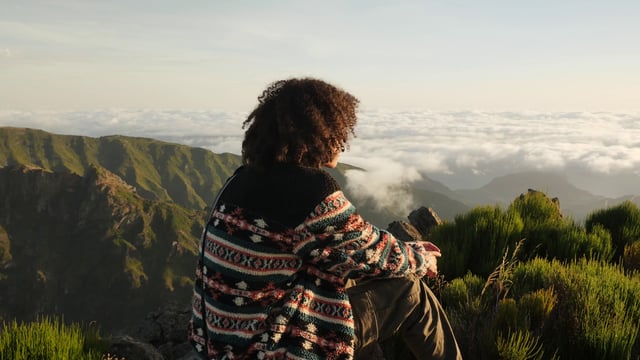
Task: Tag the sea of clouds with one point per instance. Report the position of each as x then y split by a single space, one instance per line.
599 152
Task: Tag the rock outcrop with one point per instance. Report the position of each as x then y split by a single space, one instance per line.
404 231
424 219
166 330
126 347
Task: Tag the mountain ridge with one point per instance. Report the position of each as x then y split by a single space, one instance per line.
192 176
159 170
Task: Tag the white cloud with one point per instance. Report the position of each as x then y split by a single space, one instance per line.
385 182
487 141
462 149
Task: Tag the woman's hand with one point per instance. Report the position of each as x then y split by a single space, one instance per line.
433 253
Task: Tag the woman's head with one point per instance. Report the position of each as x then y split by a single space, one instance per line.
299 121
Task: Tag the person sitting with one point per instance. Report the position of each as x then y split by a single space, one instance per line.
283 243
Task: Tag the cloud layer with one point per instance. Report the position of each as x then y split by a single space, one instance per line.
462 149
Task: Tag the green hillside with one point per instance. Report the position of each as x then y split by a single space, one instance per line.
84 246
158 170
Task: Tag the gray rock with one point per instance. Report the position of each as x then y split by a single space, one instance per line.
191 356
166 330
424 219
404 231
130 348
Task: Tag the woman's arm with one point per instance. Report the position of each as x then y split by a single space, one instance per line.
340 242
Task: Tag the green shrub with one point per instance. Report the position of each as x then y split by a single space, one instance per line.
607 307
597 308
518 345
536 209
535 307
507 318
476 241
549 235
467 313
479 309
569 241
622 222
631 257
584 309
475 284
49 339
533 275
455 294
597 244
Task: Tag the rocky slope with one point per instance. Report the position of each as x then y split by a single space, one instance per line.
90 247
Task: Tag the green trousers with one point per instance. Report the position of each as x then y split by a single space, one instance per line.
383 307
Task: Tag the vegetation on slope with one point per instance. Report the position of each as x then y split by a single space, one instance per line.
158 170
556 290
84 245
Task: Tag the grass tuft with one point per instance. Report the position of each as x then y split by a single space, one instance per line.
49 339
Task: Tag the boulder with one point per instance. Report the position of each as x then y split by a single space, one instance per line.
424 219
166 330
126 347
404 231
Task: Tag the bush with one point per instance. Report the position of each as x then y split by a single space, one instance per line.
536 209
568 241
455 294
476 241
584 309
549 235
507 317
622 222
519 345
631 257
535 308
597 307
533 275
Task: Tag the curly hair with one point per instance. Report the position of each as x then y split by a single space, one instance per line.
298 121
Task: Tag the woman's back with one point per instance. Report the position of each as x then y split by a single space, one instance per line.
261 299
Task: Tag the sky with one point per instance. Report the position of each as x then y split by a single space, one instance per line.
395 55
457 91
